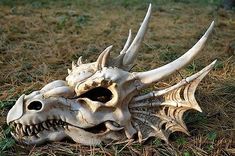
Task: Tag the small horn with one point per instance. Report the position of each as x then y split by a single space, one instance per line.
102 60
166 70
131 52
79 62
73 65
69 71
127 43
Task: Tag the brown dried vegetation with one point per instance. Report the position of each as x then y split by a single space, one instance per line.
38 41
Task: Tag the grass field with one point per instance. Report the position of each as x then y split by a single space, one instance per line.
40 39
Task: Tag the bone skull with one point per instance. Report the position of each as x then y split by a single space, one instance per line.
104 102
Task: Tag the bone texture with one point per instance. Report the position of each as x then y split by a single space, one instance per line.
103 102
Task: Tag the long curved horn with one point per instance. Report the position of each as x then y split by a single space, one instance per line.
131 52
166 70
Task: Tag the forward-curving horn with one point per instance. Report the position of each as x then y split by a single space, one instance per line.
79 62
127 43
102 60
131 52
157 74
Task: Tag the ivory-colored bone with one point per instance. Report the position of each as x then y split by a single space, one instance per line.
103 102
103 58
73 65
79 62
63 91
127 43
160 73
131 52
201 74
16 111
54 84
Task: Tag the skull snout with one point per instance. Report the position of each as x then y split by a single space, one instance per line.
17 110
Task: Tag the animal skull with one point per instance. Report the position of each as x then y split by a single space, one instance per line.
103 101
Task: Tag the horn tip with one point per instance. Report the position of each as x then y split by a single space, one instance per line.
213 63
211 66
69 71
209 30
107 50
212 24
150 7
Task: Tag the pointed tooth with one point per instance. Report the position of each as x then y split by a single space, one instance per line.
21 132
17 128
45 125
28 130
31 129
41 127
66 127
37 127
48 124
55 122
51 122
14 125
24 128
61 122
35 130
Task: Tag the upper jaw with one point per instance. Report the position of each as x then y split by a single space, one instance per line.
36 130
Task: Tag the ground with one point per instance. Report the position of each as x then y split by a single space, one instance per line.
40 39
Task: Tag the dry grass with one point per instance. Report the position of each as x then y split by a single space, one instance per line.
38 41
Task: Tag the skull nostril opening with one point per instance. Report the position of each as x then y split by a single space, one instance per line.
35 105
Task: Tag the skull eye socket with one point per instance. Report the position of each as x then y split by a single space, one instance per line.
35 105
100 94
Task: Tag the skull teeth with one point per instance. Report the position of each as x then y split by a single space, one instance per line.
33 130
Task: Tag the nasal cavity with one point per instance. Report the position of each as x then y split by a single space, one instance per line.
35 105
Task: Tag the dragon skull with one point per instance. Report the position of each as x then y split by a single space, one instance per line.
104 102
